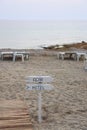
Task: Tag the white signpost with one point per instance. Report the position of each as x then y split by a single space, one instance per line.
39 80
39 87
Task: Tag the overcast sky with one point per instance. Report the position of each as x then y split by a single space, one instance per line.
43 9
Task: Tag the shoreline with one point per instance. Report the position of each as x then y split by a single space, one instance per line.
77 45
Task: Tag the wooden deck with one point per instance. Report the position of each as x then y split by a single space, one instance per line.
14 116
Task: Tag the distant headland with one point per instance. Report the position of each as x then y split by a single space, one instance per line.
66 47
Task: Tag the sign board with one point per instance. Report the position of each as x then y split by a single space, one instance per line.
39 87
39 79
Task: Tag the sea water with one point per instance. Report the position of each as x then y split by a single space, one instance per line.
35 34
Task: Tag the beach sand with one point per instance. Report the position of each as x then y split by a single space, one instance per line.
64 107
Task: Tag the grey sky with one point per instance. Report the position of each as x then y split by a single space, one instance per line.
43 9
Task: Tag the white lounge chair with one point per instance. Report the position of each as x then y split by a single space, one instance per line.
61 55
79 54
15 55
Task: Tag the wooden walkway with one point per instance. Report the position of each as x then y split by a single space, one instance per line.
14 116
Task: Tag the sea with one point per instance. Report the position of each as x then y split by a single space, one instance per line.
25 34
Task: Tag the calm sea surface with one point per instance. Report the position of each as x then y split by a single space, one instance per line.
33 34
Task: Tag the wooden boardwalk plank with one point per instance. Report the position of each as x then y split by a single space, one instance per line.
14 116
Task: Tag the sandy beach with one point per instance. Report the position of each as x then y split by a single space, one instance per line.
64 107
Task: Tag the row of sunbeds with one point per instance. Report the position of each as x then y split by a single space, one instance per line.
14 55
72 54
